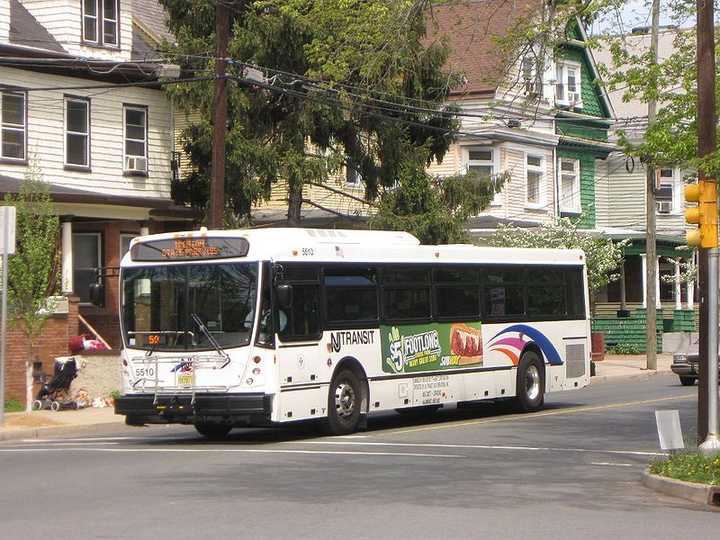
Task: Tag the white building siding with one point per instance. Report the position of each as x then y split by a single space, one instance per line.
46 130
63 19
511 159
620 197
4 21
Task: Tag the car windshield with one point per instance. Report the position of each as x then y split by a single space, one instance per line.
162 305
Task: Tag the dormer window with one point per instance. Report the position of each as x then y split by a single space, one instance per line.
100 20
567 84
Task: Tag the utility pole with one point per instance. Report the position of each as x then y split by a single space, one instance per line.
651 273
217 186
708 377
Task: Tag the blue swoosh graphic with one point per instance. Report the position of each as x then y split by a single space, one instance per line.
538 337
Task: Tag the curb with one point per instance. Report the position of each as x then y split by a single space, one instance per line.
699 493
40 432
643 374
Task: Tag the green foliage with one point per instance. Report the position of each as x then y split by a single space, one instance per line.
32 277
435 210
624 348
602 256
672 82
375 46
690 467
13 405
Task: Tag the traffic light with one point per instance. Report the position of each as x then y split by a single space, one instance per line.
705 214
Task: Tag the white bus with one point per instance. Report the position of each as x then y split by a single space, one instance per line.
223 329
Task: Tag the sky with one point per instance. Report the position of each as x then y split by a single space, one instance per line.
635 13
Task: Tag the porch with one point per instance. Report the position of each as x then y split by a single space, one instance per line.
620 308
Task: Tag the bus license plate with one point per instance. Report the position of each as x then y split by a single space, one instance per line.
185 379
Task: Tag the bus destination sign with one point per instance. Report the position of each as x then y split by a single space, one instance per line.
189 249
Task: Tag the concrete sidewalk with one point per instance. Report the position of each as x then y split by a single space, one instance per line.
39 424
633 366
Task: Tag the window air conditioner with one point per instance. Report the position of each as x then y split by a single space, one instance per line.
664 207
135 164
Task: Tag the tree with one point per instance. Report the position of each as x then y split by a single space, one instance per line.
602 255
433 209
341 76
32 279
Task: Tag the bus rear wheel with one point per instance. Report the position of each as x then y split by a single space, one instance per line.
530 394
213 432
344 403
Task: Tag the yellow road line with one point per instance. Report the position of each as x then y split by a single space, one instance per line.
570 410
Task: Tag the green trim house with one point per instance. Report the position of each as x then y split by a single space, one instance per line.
620 214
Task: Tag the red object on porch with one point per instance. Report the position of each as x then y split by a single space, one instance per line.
597 341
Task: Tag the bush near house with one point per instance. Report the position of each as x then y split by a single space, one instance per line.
13 405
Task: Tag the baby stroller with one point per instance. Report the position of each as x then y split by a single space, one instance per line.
54 395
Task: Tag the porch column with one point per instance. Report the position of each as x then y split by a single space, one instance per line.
643 258
144 230
67 257
623 299
690 294
657 282
678 300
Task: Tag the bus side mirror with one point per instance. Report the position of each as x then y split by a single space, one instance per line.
284 293
97 294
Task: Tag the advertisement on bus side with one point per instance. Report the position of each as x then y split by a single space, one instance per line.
425 347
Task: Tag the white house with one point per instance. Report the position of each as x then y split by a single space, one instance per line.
80 100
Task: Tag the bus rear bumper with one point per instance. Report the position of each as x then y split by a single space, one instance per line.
239 409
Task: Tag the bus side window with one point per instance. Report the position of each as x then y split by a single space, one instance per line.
303 317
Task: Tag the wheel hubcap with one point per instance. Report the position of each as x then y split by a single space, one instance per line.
344 400
532 382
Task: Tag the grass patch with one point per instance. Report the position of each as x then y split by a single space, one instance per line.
13 405
689 467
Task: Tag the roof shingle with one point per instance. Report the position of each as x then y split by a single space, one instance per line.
471 29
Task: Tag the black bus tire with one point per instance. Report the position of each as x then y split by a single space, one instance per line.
213 431
344 403
530 388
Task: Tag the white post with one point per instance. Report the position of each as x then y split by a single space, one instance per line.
144 230
678 291
643 258
3 315
67 258
691 294
657 282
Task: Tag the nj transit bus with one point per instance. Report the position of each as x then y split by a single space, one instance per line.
224 329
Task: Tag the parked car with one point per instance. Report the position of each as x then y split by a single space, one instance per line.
686 366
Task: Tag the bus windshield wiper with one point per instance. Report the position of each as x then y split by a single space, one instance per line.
201 325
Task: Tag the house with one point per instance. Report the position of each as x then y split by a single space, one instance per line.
621 210
544 132
80 100
545 124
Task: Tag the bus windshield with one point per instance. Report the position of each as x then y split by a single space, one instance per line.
163 305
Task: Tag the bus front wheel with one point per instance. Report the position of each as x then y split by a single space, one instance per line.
530 383
344 403
214 432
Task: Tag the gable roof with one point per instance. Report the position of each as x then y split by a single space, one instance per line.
152 18
26 30
471 29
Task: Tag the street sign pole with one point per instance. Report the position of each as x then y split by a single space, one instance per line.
711 445
3 311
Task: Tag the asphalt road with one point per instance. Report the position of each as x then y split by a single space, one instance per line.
570 471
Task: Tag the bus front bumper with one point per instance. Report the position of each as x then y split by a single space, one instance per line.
241 409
